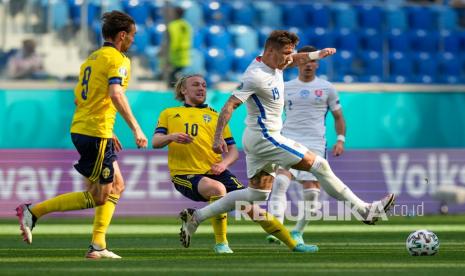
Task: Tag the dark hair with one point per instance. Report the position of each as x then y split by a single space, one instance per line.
279 38
179 12
307 49
115 22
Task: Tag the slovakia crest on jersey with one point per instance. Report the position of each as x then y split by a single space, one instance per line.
207 118
304 93
318 92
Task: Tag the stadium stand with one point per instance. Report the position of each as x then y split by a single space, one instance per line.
391 41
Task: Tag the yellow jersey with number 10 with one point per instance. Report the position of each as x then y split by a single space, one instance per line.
95 113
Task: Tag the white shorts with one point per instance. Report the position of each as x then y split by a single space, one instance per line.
267 151
308 176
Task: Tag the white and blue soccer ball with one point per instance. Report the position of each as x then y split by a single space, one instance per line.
422 243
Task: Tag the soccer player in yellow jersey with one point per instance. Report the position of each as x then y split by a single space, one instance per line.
196 171
99 94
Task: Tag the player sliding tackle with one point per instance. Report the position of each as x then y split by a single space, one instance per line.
262 90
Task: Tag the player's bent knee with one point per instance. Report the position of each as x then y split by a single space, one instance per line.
257 195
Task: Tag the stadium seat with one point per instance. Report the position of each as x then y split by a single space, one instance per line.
396 17
60 14
320 37
263 34
156 34
218 61
217 13
150 56
138 9
323 67
290 74
343 64
344 15
400 64
156 11
193 13
372 40
446 16
424 41
347 39
295 15
370 16
421 17
111 6
320 15
217 36
243 13
372 64
425 64
303 38
450 67
197 65
398 40
141 40
93 11
269 14
241 60
450 41
244 37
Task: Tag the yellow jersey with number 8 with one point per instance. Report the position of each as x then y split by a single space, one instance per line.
95 113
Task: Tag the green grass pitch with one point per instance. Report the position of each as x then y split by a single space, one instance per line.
150 246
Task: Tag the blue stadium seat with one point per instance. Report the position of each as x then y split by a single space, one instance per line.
244 37
450 41
320 15
303 38
295 15
400 64
447 18
347 39
241 60
421 17
372 64
217 36
151 58
218 61
156 34
198 37
193 13
424 41
396 17
60 14
320 37
425 64
243 13
111 6
370 16
217 13
398 40
156 11
450 67
323 68
345 16
138 9
343 64
141 40
93 11
372 40
346 78
290 74
263 34
197 65
269 14
96 29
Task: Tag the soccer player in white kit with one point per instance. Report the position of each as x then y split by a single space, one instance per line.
262 90
307 101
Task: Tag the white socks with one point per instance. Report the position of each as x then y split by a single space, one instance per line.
278 200
228 202
311 199
333 185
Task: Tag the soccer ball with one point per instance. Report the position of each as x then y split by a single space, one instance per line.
422 243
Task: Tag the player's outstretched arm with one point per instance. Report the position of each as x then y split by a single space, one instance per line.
301 58
121 103
219 145
340 125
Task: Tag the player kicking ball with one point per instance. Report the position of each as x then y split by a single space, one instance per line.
262 90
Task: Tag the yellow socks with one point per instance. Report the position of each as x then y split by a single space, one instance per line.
274 227
102 219
64 202
219 224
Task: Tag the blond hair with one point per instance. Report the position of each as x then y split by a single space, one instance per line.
180 84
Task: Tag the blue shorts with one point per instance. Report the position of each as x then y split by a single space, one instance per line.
97 157
188 184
